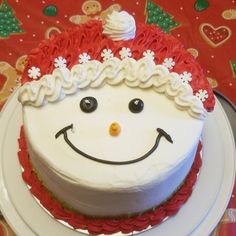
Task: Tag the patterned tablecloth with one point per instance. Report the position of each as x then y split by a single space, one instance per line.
207 28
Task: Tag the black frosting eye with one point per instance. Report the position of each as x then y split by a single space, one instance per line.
88 104
136 105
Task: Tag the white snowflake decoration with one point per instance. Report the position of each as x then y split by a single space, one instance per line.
84 58
125 53
202 95
60 62
149 54
186 77
34 72
106 54
169 63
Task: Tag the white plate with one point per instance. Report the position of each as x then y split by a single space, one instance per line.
198 216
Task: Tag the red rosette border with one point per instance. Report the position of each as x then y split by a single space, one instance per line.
106 225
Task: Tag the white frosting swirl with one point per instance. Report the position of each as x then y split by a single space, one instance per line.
143 73
120 26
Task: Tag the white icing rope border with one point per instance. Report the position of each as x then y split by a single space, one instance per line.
143 73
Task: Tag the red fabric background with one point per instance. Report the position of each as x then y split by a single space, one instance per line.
214 60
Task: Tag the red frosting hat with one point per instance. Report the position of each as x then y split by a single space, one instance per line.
88 42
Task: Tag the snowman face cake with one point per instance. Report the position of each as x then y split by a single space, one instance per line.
113 125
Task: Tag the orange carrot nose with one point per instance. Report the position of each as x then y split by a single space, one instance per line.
114 129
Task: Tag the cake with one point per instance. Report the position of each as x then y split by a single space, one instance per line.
112 116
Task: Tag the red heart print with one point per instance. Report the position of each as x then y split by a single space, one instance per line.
214 36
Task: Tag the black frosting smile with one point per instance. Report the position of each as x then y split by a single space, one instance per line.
161 133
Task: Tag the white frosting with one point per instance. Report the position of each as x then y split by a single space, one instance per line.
95 188
119 26
143 73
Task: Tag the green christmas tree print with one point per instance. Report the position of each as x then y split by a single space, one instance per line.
9 24
155 15
233 67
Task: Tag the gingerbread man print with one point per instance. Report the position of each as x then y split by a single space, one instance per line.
12 76
92 9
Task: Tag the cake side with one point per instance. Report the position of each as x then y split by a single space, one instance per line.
94 201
